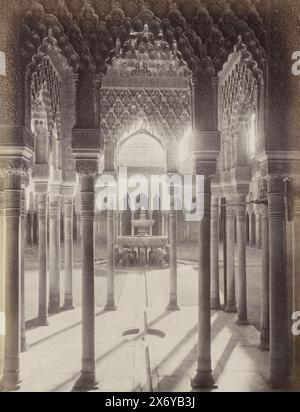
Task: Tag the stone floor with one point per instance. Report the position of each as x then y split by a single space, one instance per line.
165 361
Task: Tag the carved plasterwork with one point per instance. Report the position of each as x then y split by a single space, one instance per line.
206 31
241 81
164 112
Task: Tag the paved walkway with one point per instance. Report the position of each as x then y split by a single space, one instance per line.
165 361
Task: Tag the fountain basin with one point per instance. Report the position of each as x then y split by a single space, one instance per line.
143 241
142 223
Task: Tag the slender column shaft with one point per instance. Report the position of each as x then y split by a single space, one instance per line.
252 229
35 228
230 261
68 235
88 366
110 304
279 345
215 287
257 230
296 281
163 224
265 295
43 275
54 254
2 262
173 305
11 370
203 378
79 237
242 272
22 272
121 223
132 227
30 229
151 228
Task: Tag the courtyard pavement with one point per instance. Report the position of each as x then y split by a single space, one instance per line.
164 361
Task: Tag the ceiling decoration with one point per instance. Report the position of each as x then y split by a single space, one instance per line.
143 56
164 113
46 86
239 86
88 30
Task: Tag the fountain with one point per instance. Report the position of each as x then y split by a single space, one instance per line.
143 241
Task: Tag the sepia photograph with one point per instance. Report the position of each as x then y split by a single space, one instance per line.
149 198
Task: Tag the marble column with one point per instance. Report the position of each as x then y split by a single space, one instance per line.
257 229
151 228
22 271
279 343
203 378
296 277
230 260
54 253
121 223
252 229
173 305
11 370
242 263
215 229
42 193
68 251
29 228
132 227
78 233
264 343
206 149
163 224
2 259
87 378
35 228
110 303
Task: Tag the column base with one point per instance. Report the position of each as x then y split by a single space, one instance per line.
42 321
87 381
242 322
278 381
231 308
264 345
67 307
24 346
294 383
110 307
173 307
215 304
10 382
202 380
54 308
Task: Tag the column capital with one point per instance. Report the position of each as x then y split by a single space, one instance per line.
20 138
41 187
242 190
55 191
68 191
216 191
42 205
68 207
87 167
86 141
276 191
10 165
276 184
241 175
229 192
206 144
40 172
